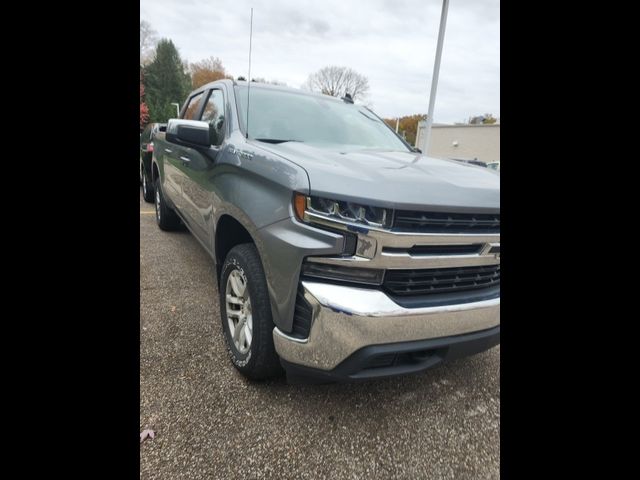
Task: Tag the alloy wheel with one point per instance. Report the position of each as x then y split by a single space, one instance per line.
239 315
158 204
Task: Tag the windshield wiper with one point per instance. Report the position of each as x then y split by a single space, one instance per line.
275 140
372 119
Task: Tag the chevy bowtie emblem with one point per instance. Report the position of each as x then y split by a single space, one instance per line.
491 249
366 246
363 247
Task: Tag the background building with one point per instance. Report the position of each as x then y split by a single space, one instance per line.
462 141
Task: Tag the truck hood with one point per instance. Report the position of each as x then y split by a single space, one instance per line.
402 180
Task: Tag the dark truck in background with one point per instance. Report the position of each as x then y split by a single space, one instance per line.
147 137
341 253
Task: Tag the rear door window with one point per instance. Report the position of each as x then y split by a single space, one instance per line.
193 108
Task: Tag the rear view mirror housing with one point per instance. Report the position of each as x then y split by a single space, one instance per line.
191 133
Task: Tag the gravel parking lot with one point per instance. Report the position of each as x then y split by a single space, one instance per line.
212 423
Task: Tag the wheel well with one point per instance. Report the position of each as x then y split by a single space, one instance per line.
229 233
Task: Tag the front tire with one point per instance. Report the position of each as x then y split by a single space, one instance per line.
246 314
166 218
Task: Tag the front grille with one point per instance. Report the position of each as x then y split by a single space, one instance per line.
440 222
301 316
441 280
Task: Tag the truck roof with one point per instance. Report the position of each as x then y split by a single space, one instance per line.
267 86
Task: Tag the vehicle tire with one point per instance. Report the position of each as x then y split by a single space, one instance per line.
243 291
166 218
147 188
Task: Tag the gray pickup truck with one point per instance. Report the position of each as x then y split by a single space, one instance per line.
341 252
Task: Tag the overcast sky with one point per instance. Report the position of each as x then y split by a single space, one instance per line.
391 42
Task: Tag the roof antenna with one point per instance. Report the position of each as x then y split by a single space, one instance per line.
249 78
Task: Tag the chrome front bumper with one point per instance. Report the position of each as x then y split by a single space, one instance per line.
346 319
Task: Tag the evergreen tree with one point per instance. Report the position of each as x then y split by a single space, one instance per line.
166 82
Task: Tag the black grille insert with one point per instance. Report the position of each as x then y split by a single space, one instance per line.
442 222
301 317
441 280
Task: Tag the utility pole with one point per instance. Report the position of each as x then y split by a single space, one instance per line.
397 124
177 109
436 72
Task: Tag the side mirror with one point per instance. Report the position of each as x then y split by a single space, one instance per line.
190 133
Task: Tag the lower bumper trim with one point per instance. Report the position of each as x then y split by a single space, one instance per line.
347 319
402 358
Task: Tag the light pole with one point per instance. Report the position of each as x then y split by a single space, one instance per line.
436 71
177 109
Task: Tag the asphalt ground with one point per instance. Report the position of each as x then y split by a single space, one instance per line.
210 422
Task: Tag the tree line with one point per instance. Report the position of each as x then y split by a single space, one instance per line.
167 79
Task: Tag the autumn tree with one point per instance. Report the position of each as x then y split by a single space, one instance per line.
148 38
206 71
144 110
486 119
407 127
338 81
489 119
166 82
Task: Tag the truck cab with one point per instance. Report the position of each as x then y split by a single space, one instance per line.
341 253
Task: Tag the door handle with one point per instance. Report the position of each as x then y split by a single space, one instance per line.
185 159
168 151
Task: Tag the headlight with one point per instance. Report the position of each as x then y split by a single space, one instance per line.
342 211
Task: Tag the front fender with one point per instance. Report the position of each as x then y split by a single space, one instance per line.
283 247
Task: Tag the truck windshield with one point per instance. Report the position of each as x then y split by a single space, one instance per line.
279 116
